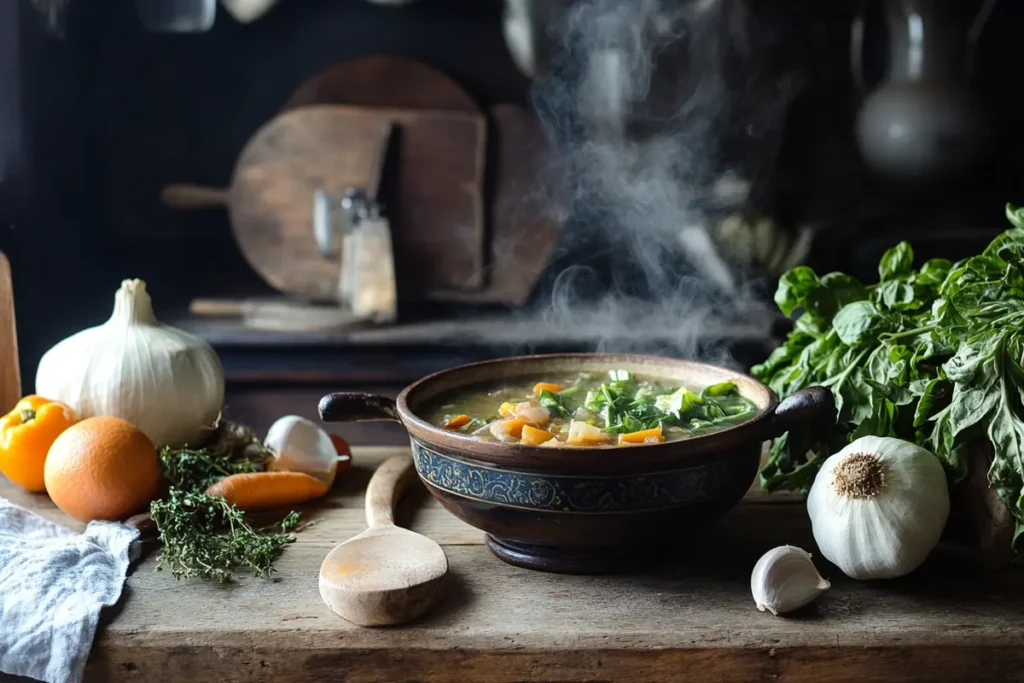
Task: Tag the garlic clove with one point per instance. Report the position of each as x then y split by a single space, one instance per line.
785 579
300 445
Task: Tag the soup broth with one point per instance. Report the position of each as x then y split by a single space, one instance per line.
590 410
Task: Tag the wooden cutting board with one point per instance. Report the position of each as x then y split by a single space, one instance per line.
383 81
10 372
435 214
525 219
523 223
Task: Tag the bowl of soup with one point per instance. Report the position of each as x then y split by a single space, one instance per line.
587 463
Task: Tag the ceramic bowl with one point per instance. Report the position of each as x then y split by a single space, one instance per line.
581 510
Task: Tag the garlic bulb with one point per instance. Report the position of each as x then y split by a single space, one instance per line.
878 507
299 445
166 382
784 579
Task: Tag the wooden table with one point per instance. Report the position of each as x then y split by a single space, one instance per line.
694 621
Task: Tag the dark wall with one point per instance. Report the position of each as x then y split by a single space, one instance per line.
121 112
110 113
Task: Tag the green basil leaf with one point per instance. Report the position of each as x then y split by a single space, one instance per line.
846 288
857 322
933 272
896 261
896 394
782 356
1015 215
794 287
936 397
988 265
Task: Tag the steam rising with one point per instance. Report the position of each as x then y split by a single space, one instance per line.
637 101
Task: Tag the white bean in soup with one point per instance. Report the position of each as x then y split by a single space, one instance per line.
590 410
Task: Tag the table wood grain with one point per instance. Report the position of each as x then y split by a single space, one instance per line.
693 620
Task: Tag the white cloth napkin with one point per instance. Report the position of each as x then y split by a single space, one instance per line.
53 583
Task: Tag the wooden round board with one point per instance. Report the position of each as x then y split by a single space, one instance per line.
391 81
271 196
383 81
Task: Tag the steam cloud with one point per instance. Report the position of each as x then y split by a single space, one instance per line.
637 102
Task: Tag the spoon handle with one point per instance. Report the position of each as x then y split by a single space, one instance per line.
386 487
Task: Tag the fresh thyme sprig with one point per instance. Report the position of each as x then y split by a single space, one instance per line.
196 470
205 536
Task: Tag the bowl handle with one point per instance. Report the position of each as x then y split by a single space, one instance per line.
805 408
350 406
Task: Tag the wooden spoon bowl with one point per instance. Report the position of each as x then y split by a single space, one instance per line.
385 575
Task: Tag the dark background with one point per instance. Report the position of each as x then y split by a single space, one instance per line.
93 124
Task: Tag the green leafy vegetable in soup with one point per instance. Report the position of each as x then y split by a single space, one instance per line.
591 410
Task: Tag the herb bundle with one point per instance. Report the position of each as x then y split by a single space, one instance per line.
934 356
206 536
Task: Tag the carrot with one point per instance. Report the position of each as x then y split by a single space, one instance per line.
643 436
546 386
506 409
340 445
265 490
457 421
531 436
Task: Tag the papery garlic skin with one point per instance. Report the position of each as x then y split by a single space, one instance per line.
785 579
167 382
300 445
878 507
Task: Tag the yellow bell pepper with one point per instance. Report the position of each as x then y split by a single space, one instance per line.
26 434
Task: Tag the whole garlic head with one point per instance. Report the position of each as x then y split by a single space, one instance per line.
878 507
165 381
785 579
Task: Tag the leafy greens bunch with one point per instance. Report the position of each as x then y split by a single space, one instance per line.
934 356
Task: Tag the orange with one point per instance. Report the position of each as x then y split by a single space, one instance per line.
26 434
102 468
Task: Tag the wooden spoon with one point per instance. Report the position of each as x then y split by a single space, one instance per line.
387 574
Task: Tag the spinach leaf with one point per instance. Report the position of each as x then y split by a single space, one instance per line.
720 389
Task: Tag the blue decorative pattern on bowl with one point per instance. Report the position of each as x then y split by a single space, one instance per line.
569 493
